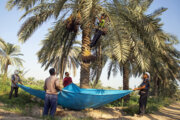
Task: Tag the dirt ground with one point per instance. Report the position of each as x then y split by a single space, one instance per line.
171 112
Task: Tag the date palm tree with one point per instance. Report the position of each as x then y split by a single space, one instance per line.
165 67
60 55
42 10
9 56
137 37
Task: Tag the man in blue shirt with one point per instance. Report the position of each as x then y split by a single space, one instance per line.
144 89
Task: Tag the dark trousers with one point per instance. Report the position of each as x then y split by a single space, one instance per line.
11 92
142 102
96 37
50 104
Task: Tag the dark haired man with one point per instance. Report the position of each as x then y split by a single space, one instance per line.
51 87
67 80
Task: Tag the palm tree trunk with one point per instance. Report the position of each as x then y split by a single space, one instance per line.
5 71
155 87
85 10
158 86
126 80
99 54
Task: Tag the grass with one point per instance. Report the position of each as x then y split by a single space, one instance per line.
132 107
22 104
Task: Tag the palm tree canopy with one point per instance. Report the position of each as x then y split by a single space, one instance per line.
10 55
138 36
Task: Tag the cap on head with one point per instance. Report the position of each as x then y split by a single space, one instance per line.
16 72
148 74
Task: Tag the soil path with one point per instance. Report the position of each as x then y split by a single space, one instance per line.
171 112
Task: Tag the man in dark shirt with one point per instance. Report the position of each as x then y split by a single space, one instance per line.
144 89
67 80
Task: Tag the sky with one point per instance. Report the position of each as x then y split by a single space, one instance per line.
10 25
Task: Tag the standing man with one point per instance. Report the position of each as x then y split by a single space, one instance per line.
51 87
67 80
14 81
144 89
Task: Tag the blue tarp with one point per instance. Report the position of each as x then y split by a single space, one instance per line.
73 97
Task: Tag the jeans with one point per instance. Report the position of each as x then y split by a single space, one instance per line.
50 104
143 102
96 37
11 92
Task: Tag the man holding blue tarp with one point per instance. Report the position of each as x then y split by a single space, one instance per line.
15 79
144 90
51 86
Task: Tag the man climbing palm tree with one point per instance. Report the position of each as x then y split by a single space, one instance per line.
100 31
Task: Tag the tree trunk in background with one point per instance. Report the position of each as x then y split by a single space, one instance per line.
158 86
155 87
126 80
62 69
6 67
5 71
85 10
99 59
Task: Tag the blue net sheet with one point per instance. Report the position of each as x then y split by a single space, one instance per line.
73 97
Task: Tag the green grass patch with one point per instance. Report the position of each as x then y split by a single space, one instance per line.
132 107
153 105
21 104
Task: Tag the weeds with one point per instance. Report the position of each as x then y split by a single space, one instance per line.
132 107
21 104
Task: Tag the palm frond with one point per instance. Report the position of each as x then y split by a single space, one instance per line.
158 12
58 6
32 24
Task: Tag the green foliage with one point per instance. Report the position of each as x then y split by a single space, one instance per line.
9 55
132 107
32 82
23 103
60 49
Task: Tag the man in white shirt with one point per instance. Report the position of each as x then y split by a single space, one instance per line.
15 79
